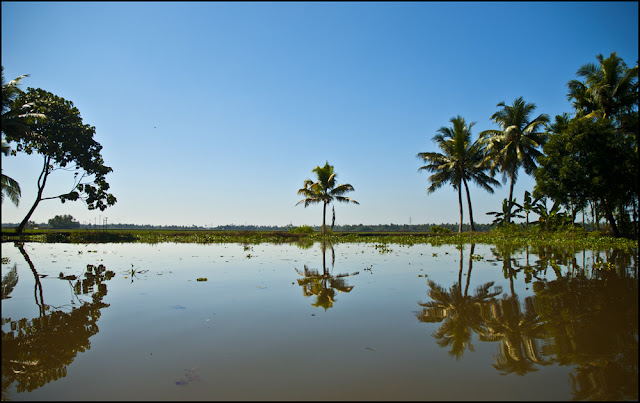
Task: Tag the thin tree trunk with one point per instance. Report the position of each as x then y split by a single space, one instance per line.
612 221
466 288
513 182
42 181
324 215
469 203
38 285
460 204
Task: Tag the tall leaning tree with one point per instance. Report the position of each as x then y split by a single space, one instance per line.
324 190
461 161
516 144
65 143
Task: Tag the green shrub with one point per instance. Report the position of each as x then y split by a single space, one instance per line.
436 229
304 229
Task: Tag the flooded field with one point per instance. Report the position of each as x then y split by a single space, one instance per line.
322 322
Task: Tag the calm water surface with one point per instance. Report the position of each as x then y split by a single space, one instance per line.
348 321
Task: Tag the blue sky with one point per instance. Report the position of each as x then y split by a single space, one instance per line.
214 113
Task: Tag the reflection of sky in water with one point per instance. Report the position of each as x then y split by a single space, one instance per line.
250 333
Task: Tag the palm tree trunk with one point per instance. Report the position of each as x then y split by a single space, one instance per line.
469 203
42 180
612 221
513 182
460 204
466 288
324 215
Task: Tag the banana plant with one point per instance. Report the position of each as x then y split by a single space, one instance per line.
504 217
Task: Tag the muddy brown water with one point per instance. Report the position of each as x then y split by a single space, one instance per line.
329 322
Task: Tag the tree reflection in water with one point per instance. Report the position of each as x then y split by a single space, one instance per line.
461 312
37 351
586 317
592 322
324 285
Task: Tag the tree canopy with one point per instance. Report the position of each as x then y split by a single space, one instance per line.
66 143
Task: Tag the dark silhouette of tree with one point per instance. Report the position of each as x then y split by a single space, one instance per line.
65 143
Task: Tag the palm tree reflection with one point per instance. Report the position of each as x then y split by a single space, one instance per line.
517 333
461 312
324 285
38 350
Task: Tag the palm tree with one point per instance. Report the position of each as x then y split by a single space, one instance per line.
324 190
15 119
609 88
461 161
10 186
516 144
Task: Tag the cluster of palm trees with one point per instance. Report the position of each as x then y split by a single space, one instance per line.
609 91
461 160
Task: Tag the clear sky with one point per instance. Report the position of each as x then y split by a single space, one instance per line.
214 113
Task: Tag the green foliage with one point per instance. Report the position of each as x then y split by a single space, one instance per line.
65 143
63 222
590 160
10 187
303 229
460 162
324 190
436 229
502 218
516 144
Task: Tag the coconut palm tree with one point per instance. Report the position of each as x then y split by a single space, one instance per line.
461 161
10 186
324 190
15 119
515 145
609 88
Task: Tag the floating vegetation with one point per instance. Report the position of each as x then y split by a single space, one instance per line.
383 248
381 241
